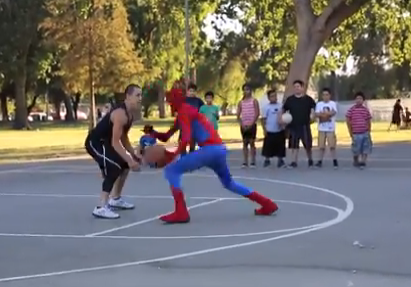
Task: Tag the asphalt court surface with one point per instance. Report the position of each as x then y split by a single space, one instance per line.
341 227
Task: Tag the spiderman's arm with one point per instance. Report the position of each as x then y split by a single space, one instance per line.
164 137
185 126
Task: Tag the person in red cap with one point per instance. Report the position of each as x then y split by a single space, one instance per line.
212 153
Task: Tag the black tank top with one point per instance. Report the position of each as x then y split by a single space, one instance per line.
103 131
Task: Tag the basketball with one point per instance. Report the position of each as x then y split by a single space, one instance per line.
287 118
155 155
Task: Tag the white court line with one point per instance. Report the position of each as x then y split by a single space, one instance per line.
216 236
147 220
340 218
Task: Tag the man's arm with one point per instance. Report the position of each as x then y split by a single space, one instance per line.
125 140
369 120
164 137
263 119
119 120
185 126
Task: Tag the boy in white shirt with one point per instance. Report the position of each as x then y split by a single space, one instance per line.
326 111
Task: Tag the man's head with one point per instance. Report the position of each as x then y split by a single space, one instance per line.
191 90
175 98
247 91
359 98
272 96
133 95
326 94
298 86
209 97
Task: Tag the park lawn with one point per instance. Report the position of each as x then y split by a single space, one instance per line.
52 142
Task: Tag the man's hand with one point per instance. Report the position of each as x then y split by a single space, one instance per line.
133 165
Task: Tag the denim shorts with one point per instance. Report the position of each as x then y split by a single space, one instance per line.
361 144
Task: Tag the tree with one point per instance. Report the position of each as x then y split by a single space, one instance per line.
19 30
94 45
313 29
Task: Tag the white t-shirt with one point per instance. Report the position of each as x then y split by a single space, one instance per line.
270 114
328 126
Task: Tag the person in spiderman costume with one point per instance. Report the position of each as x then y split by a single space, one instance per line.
212 153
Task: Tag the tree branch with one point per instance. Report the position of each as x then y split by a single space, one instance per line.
336 12
304 13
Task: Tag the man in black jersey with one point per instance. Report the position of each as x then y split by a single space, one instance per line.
109 145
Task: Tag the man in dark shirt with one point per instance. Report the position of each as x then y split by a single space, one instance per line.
194 101
302 109
109 145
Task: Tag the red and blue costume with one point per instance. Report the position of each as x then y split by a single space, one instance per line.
212 153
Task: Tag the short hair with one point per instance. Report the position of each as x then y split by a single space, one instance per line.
209 94
359 94
192 86
271 91
328 90
301 83
246 85
131 88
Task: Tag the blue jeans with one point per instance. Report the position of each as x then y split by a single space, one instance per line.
361 144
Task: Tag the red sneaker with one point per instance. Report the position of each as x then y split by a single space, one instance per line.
268 207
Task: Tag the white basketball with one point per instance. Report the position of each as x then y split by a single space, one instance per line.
287 118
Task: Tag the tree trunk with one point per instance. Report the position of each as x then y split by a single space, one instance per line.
20 121
161 97
308 46
4 109
69 109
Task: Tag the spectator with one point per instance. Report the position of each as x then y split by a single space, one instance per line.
302 109
359 126
396 115
248 112
407 118
326 111
210 110
274 134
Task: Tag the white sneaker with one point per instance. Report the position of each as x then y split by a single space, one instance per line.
120 203
105 212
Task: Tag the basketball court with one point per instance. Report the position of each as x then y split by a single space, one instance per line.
345 227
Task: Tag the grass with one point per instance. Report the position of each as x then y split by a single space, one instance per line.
50 140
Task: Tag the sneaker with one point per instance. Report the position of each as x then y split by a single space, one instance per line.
267 163
335 163
120 203
244 165
319 164
105 212
280 163
292 165
310 163
252 165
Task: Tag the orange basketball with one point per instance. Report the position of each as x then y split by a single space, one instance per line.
155 154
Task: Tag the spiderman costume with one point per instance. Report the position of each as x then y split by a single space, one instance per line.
212 153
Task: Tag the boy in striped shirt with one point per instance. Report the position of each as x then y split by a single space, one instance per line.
358 120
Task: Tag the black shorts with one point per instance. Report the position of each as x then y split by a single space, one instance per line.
274 145
300 133
250 134
109 161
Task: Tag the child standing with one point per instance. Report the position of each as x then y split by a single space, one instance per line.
248 112
210 110
326 111
274 134
358 120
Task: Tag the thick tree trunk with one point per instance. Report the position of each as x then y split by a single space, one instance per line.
308 46
69 109
20 121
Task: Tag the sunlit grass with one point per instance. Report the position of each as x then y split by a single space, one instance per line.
62 140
